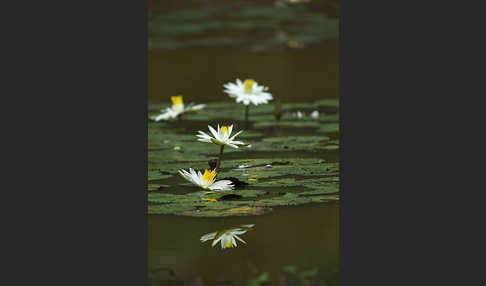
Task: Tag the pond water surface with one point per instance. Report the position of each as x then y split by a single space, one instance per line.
300 237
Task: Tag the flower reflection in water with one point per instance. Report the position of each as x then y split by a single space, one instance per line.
227 237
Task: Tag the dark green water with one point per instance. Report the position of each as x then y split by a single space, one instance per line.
304 236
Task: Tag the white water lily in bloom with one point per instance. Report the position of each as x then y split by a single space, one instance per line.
206 180
177 109
315 114
227 237
248 92
221 137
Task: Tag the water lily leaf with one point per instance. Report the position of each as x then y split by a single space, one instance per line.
156 175
156 187
222 212
288 166
331 147
291 26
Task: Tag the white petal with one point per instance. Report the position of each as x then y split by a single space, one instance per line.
198 107
163 116
214 132
215 141
216 241
238 232
248 225
183 174
222 185
237 133
223 242
208 236
240 239
189 176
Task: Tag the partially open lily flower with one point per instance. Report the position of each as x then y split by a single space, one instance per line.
177 109
227 237
248 92
206 180
221 137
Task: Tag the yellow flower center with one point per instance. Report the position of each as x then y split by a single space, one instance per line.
225 129
249 85
177 103
177 100
229 244
209 175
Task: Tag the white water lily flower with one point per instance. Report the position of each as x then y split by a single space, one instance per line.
315 114
227 237
177 109
248 92
206 180
221 137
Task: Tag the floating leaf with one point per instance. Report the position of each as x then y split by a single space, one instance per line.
277 170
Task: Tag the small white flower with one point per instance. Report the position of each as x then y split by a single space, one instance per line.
227 237
221 137
315 114
206 180
298 114
177 109
248 92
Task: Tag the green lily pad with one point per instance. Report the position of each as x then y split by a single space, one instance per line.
287 26
280 167
156 175
331 147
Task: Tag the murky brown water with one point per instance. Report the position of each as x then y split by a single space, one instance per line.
305 236
199 73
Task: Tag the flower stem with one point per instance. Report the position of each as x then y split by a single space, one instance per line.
219 158
247 107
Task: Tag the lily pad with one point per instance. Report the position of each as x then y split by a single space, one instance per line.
279 169
292 26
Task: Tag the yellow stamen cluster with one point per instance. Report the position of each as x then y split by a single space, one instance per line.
224 129
249 85
177 100
229 244
209 175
